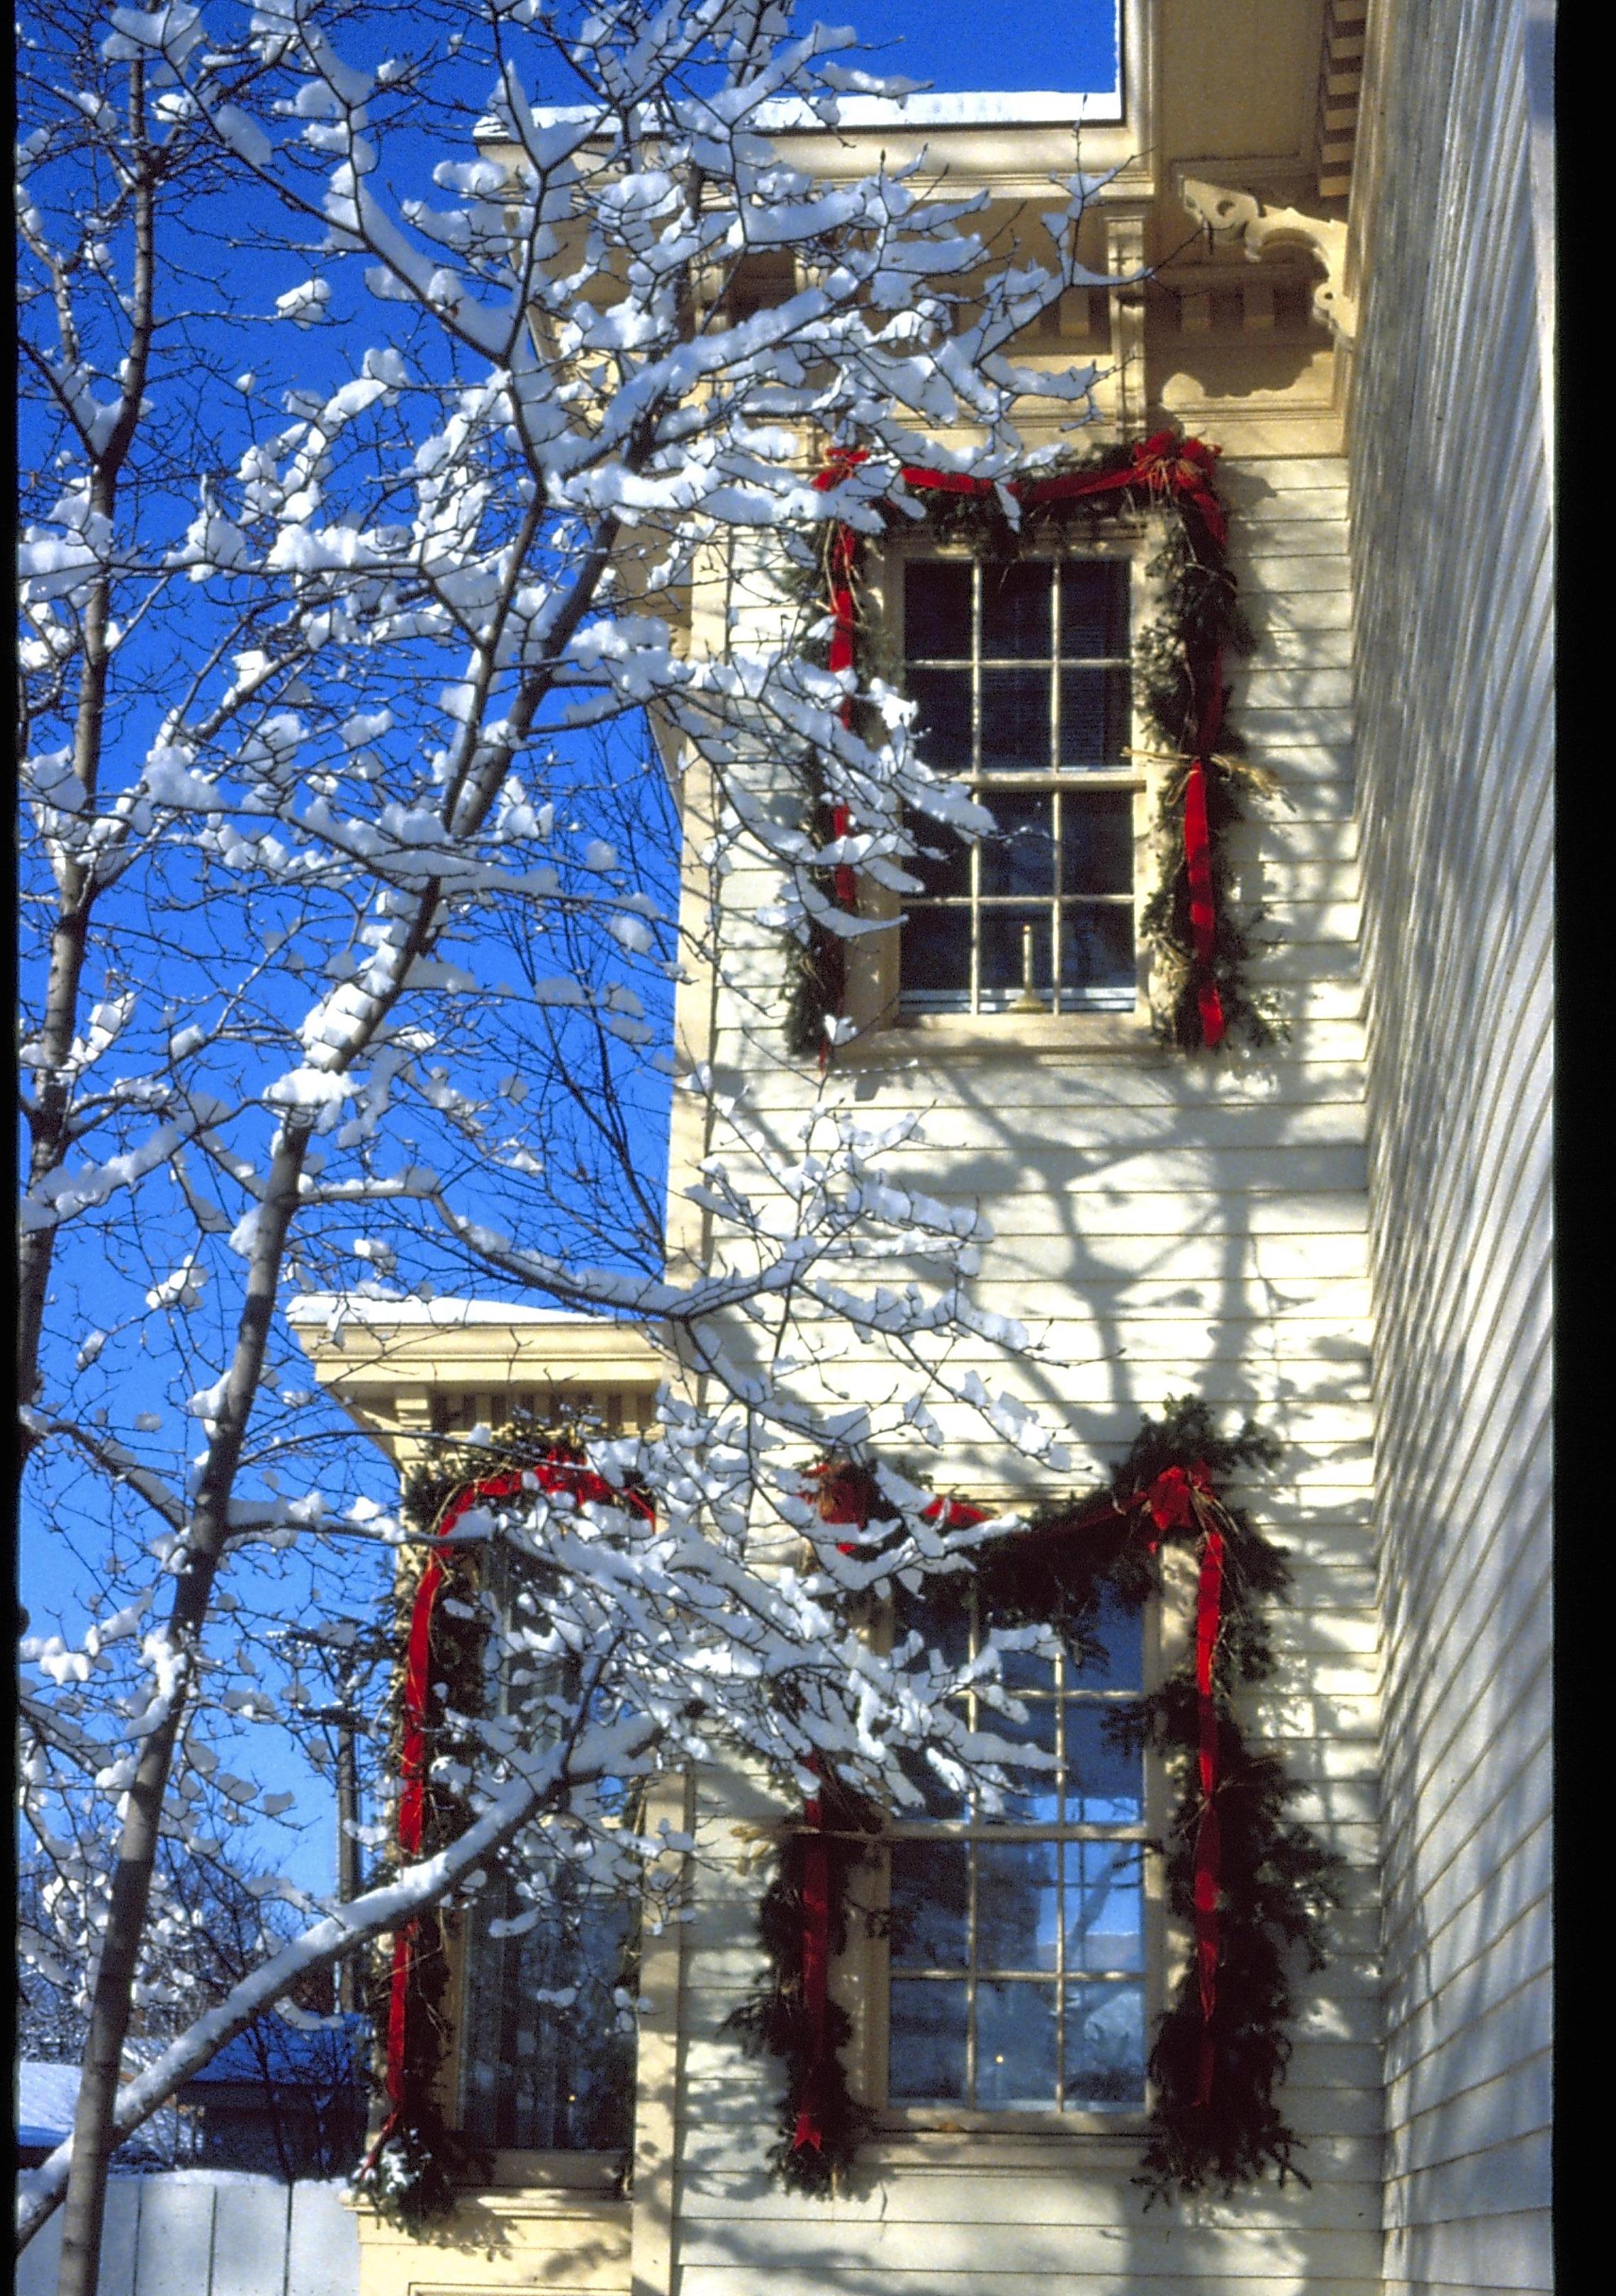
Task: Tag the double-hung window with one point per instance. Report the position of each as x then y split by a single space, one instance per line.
548 2052
1020 669
547 2047
1016 1942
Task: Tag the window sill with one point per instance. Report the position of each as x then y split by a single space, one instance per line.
514 2171
1003 1036
1007 2141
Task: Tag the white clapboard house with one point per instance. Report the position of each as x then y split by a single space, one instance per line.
1346 205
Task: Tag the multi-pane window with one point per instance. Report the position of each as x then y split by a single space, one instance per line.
549 2052
548 2044
1020 672
1017 1940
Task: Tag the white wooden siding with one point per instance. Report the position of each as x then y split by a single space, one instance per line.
1171 1226
1451 530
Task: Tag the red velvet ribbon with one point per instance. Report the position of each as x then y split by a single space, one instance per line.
814 1857
1209 1610
1177 1501
1163 463
412 1814
1198 859
843 553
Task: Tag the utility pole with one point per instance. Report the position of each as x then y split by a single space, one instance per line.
347 1655
344 1719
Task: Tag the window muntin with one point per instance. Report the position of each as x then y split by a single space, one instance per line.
1016 1953
1020 670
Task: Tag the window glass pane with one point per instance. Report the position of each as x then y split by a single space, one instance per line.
1096 841
1015 611
1097 949
938 1798
939 1613
937 952
937 610
926 2040
930 1905
943 717
547 2067
947 868
1104 1781
1019 857
1015 2045
1094 607
1026 1670
1034 1797
1015 721
1120 1634
1093 717
1017 1905
1104 2045
1001 951
1104 1906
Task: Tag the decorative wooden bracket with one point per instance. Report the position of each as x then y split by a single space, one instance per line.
1230 215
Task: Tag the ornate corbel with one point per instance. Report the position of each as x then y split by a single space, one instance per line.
1227 215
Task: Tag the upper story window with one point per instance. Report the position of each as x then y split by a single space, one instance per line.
1017 1941
1021 671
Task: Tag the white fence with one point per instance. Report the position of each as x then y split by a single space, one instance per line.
212 2232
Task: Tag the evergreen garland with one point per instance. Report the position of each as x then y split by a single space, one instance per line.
1276 1881
412 2170
777 2020
1176 659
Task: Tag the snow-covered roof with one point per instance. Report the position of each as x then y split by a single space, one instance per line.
975 108
319 1307
48 2097
317 2058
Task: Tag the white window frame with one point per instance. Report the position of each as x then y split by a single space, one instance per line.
862 1980
875 983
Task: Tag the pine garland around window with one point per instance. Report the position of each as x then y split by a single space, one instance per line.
1250 1884
1200 949
418 2158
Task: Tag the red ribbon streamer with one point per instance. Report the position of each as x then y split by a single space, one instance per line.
1208 1609
1178 1500
816 1861
412 1814
843 553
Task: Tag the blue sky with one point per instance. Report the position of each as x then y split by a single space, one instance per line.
956 46
989 43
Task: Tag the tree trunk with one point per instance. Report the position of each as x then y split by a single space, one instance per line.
95 2140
